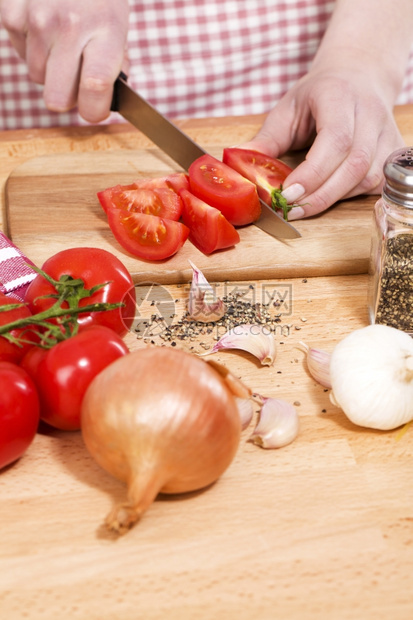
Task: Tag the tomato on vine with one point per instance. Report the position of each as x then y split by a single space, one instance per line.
63 373
102 274
19 412
19 340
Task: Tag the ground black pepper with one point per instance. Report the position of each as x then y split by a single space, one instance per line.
394 306
238 312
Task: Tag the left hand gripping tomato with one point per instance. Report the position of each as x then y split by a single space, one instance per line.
63 373
19 412
267 173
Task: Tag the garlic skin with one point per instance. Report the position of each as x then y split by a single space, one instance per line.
163 422
318 363
371 373
245 410
203 305
255 339
278 424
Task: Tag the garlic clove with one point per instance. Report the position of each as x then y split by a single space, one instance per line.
278 424
245 410
318 363
255 339
203 304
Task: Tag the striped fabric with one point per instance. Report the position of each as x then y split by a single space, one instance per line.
15 273
196 58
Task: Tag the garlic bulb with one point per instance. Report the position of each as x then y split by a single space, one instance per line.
371 373
203 304
255 339
278 424
163 422
318 363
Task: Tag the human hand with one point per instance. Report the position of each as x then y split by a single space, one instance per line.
349 122
76 49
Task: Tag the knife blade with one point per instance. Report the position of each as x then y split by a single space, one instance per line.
180 147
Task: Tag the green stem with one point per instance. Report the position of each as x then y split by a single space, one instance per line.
42 318
70 292
279 202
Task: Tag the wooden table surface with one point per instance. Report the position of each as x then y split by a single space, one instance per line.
321 529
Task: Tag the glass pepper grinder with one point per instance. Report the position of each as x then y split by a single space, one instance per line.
391 258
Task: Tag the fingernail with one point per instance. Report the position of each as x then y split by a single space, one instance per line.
293 192
296 213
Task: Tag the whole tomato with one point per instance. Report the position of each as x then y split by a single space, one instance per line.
9 351
19 412
63 373
94 266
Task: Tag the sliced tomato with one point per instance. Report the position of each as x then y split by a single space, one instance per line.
115 197
160 201
147 236
209 229
266 172
158 196
225 189
176 181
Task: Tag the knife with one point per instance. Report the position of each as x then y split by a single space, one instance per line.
180 147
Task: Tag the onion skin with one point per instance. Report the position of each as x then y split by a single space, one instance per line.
163 422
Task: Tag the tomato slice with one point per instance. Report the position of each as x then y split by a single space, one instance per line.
176 181
161 201
209 229
147 236
266 172
225 189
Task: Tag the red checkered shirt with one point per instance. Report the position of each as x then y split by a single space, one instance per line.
195 58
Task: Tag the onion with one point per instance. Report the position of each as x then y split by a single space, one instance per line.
164 421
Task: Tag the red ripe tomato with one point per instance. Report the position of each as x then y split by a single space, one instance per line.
163 201
223 188
62 374
151 196
176 181
9 351
94 266
266 172
147 236
19 412
209 229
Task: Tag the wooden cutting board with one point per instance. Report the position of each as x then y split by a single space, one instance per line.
51 205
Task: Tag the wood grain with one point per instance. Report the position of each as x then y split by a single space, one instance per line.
321 529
